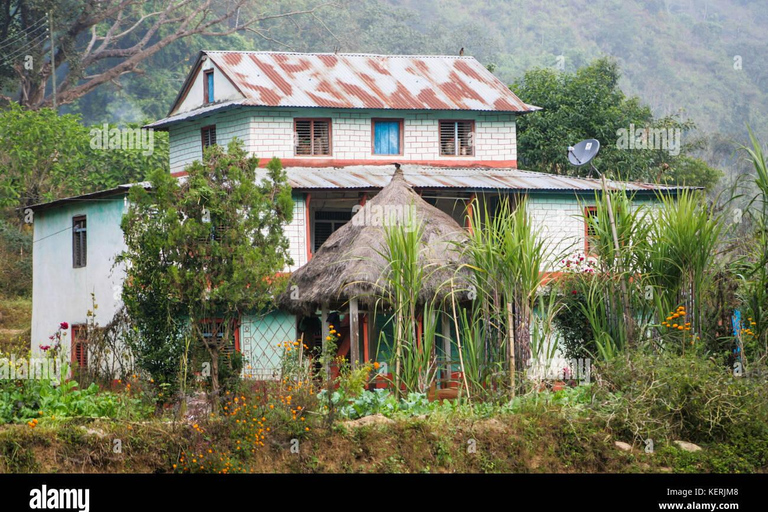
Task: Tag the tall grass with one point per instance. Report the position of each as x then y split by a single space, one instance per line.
509 256
753 267
406 273
685 235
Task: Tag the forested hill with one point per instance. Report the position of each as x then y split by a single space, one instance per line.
707 57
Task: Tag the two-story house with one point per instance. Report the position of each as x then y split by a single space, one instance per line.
338 122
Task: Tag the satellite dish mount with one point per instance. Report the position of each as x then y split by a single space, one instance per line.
583 153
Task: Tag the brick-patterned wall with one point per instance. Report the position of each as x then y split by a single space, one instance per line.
296 232
186 144
560 221
269 133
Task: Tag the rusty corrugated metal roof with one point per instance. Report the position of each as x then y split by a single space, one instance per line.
344 80
423 177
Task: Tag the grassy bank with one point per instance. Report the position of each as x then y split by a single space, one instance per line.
521 443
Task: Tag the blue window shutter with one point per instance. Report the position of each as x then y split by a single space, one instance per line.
386 137
210 87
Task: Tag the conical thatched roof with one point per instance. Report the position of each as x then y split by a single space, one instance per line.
352 263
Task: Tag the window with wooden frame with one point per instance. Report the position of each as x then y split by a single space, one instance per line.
79 348
215 328
387 136
208 86
590 218
457 138
326 222
208 134
312 137
79 242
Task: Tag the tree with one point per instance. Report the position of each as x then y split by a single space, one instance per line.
98 41
590 104
217 244
46 156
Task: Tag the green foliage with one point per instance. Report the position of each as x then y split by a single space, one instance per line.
666 397
205 247
22 401
588 103
48 156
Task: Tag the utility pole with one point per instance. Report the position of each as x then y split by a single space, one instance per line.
53 57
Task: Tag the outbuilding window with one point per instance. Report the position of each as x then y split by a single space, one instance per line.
79 242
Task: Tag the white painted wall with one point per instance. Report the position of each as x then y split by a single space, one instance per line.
296 232
559 217
223 89
269 132
62 293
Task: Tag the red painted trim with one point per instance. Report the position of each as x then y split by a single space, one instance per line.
587 211
308 224
469 162
317 162
402 134
312 138
310 161
82 361
470 213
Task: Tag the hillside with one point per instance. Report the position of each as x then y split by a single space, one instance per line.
702 56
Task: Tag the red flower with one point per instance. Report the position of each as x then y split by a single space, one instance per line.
63 325
44 347
574 292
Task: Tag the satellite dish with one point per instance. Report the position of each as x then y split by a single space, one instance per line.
583 152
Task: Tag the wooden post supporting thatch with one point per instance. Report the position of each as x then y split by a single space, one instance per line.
446 332
354 333
511 322
325 333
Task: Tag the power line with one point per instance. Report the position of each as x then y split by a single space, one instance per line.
25 49
26 33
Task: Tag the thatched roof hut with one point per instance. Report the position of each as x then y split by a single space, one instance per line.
352 262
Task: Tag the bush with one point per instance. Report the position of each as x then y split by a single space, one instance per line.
667 397
28 400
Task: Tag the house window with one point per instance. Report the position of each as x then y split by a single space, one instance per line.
208 86
208 134
312 136
326 222
387 136
215 328
590 218
79 349
457 138
79 242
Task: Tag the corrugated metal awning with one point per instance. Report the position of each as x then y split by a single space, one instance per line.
423 177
